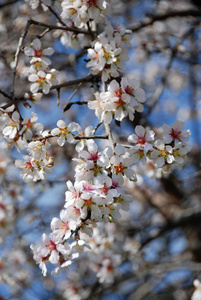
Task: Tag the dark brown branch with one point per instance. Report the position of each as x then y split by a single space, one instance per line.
5 95
91 137
56 15
8 3
72 103
66 28
73 82
76 231
163 17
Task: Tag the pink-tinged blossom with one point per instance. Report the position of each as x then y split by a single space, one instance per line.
175 133
35 98
33 170
106 271
119 161
119 101
30 128
91 164
87 202
52 249
131 87
143 139
37 53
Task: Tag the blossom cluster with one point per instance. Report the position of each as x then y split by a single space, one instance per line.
26 134
167 151
40 75
109 51
73 39
82 11
99 193
119 101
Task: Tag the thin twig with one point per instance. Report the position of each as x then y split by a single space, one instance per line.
196 174
22 37
76 102
99 124
194 217
55 14
74 92
110 137
43 33
73 82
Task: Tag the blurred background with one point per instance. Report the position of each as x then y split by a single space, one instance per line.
156 246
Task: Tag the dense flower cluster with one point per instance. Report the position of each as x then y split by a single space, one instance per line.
82 11
99 193
109 52
119 101
40 75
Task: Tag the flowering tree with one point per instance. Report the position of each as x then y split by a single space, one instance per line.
96 187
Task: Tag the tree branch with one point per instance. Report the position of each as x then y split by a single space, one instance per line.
8 3
66 28
189 217
163 17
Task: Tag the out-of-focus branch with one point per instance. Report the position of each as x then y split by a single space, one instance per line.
5 95
190 217
55 14
73 82
8 3
159 90
163 17
194 175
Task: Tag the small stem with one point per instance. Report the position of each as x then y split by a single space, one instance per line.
110 137
74 92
